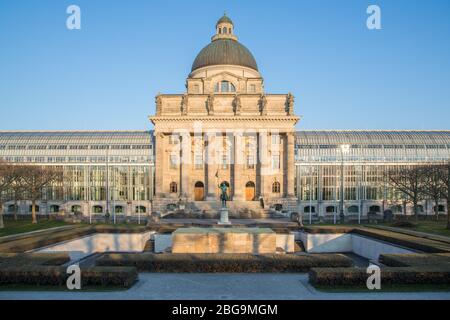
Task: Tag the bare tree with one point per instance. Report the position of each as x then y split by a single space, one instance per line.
409 181
433 186
445 170
6 179
35 179
17 187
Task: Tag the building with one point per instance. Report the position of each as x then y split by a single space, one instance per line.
225 129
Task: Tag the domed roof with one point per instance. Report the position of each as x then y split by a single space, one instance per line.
224 19
224 51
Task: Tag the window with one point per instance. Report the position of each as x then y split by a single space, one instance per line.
353 209
224 29
173 161
173 187
173 139
276 139
224 162
275 161
309 209
250 161
252 88
224 86
198 161
276 187
330 209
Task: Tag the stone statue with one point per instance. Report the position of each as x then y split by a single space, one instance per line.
223 194
237 105
263 105
210 104
158 102
290 104
184 104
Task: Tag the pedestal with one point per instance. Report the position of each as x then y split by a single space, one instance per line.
224 216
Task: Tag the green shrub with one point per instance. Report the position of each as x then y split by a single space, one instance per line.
57 276
240 263
416 260
33 259
404 224
389 276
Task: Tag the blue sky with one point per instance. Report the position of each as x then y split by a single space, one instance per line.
105 76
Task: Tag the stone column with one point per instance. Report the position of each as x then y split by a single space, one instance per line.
159 164
185 162
264 167
290 164
238 191
211 166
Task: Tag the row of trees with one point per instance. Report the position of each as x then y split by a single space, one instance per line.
26 182
422 182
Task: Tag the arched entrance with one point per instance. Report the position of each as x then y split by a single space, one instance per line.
199 191
250 191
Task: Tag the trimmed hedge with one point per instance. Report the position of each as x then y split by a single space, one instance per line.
33 259
43 239
389 276
327 229
57 276
404 240
240 263
416 260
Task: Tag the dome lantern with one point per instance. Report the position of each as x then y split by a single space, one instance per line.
224 49
224 29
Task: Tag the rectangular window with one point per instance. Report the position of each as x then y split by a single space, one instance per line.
173 161
276 139
173 139
250 161
276 161
224 164
198 161
252 88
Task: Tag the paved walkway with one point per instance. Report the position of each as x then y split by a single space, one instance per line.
222 287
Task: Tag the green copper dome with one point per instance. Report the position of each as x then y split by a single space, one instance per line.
224 51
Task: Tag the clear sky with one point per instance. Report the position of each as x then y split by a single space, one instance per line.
105 76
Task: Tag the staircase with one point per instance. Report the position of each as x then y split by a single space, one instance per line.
233 206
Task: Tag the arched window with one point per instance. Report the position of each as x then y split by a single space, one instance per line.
420 208
397 209
309 209
141 209
118 209
225 30
375 209
76 209
330 209
224 87
276 187
173 187
220 30
353 209
54 208
97 209
441 208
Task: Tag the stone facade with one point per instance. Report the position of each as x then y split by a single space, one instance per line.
224 129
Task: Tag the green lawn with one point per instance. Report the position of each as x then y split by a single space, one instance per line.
429 226
21 226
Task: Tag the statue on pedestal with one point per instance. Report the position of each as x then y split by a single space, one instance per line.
223 194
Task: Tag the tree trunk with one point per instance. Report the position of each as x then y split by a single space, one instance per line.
15 210
436 208
33 211
1 216
448 214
